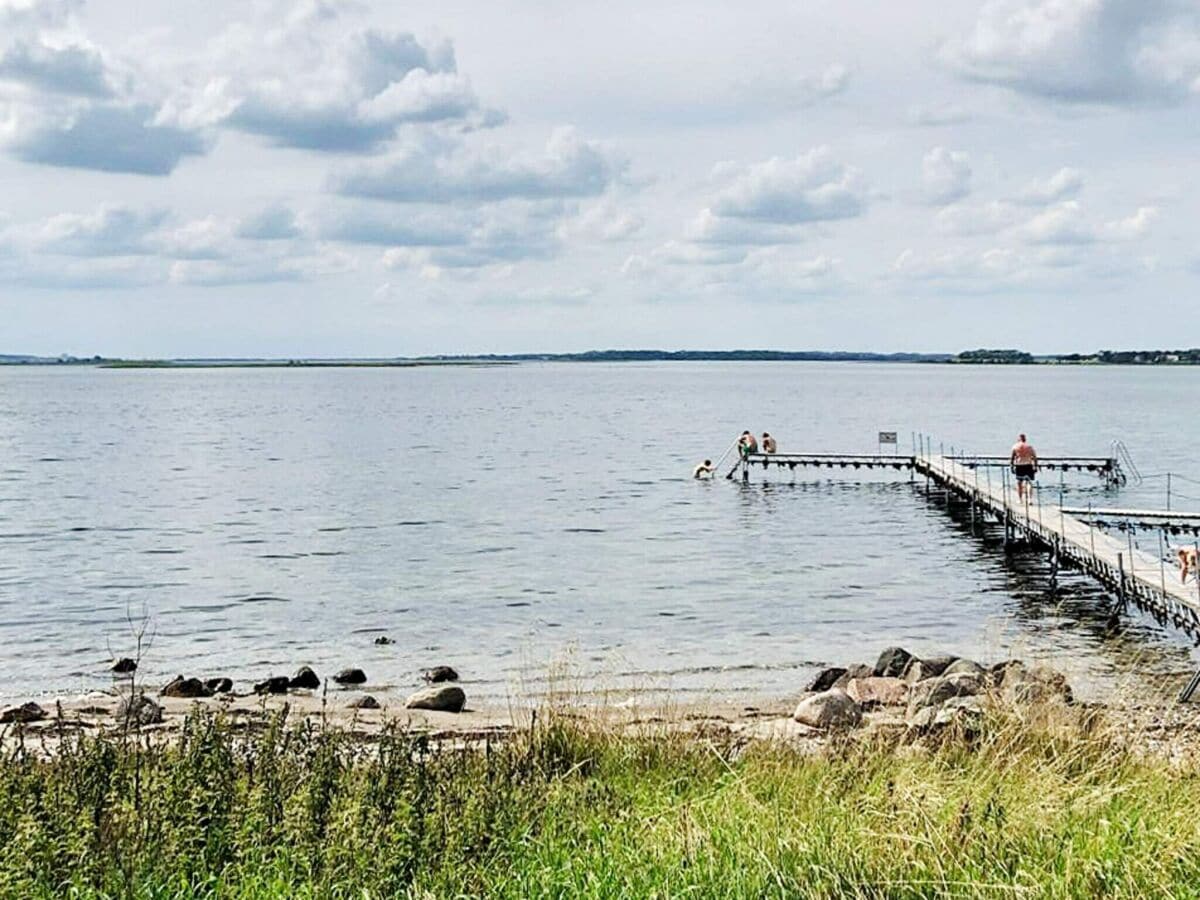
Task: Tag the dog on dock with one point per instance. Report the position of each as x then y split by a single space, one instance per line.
1187 561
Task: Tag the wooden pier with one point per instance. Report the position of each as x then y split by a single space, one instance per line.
1074 537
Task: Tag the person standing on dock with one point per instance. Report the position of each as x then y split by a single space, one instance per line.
747 444
768 443
1024 466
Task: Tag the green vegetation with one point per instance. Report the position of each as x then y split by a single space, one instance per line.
571 810
1001 357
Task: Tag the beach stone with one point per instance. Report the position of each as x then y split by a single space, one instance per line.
1040 684
438 674
276 684
383 640
928 667
892 662
871 692
26 712
828 710
219 685
139 711
123 666
446 698
351 676
825 679
964 667
305 678
364 702
965 712
933 692
188 688
858 670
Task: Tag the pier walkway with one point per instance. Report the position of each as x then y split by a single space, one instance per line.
1072 538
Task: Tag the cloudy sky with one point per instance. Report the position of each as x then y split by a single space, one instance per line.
321 178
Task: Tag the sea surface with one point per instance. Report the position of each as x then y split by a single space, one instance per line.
536 525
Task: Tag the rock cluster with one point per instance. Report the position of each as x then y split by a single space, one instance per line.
23 714
931 692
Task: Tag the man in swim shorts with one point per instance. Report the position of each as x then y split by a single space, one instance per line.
1024 465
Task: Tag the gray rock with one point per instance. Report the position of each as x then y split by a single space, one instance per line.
351 676
187 688
26 712
965 712
364 702
138 711
964 667
936 691
892 662
928 667
832 709
219 685
443 698
825 679
858 670
438 674
871 692
276 684
305 679
383 640
1037 685
123 666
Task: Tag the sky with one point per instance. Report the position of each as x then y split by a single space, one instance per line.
321 178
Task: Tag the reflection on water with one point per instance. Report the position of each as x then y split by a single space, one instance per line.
498 519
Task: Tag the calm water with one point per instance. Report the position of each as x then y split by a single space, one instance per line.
514 520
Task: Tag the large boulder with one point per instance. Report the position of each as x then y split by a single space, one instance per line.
219 685
892 662
26 712
928 667
933 692
442 698
825 679
187 688
1040 684
874 691
138 711
829 710
438 674
965 667
858 670
351 676
276 684
305 679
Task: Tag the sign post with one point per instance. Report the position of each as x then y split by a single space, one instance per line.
887 437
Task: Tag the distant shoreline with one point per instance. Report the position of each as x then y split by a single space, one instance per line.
1189 357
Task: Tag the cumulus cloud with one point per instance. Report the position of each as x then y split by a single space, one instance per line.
1066 223
569 166
603 221
72 69
945 176
1062 185
275 223
107 231
812 187
1084 51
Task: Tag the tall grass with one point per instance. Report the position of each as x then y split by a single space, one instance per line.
570 809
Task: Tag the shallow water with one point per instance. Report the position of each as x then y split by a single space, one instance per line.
517 521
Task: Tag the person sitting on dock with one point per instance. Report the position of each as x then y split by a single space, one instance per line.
768 443
747 444
704 470
1024 465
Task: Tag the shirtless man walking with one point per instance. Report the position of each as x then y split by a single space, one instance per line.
1024 465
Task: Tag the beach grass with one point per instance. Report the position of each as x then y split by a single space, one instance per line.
576 808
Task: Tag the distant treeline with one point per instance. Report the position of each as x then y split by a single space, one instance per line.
708 356
1101 357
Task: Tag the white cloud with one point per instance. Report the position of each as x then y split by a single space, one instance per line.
812 187
569 166
1066 223
1062 185
603 221
796 92
945 176
1084 51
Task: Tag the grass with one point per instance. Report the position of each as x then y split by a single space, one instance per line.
569 809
